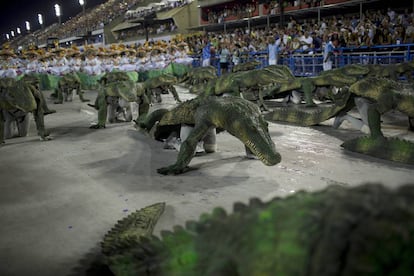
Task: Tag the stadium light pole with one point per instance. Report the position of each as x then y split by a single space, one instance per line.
40 18
58 13
249 10
28 26
82 3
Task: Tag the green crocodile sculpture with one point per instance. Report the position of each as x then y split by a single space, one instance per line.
161 84
381 95
313 115
392 71
17 98
246 66
117 87
66 84
364 230
199 75
248 84
34 80
339 77
237 116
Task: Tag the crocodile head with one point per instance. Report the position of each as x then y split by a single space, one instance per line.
125 89
248 125
167 79
20 96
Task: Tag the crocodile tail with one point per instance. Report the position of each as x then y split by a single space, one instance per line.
392 149
130 237
303 117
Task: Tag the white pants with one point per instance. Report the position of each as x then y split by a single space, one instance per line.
206 62
327 66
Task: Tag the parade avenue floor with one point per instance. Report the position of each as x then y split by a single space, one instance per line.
58 198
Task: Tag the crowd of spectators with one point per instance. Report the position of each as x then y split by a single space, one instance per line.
97 17
386 27
232 10
93 19
139 31
164 5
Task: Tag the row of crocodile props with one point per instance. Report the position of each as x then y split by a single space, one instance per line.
366 230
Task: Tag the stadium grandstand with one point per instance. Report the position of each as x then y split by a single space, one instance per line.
369 31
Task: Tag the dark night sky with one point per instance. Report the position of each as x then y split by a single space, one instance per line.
14 13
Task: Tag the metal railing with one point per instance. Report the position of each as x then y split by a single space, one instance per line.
303 64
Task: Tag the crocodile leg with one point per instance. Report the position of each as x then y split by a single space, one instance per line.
374 121
39 113
187 150
80 92
8 123
101 104
23 125
40 124
59 92
262 104
143 107
308 87
174 93
43 103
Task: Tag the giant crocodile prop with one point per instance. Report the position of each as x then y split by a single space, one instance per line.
392 71
339 77
381 95
17 98
315 115
237 116
199 75
66 84
161 84
246 66
253 85
117 91
365 230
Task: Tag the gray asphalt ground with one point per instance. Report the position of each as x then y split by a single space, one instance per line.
58 198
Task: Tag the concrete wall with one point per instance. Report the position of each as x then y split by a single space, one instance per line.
207 3
188 17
